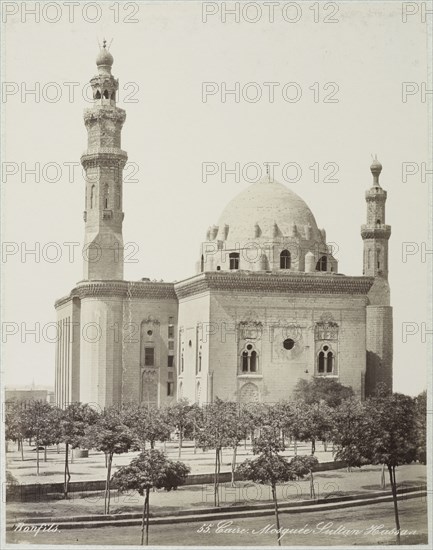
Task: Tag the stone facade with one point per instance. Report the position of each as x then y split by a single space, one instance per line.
266 307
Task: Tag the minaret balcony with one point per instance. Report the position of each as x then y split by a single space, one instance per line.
375 231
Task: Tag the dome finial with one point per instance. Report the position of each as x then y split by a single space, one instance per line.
104 60
376 169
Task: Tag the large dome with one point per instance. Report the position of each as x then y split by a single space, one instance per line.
269 207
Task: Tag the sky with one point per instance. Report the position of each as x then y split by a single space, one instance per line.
349 82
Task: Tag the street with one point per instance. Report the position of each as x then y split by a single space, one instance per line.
365 525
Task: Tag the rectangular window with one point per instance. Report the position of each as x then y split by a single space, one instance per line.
234 260
149 357
171 327
170 361
170 389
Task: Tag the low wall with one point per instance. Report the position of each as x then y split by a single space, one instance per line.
36 492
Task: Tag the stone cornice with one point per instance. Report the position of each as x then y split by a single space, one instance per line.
120 289
104 156
264 283
114 113
376 232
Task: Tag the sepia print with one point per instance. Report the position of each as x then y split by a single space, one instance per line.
216 264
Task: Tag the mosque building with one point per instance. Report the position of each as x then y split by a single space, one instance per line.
265 308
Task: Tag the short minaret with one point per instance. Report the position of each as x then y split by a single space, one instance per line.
379 334
375 233
103 163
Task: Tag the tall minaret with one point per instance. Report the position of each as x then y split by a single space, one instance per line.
375 233
379 335
103 163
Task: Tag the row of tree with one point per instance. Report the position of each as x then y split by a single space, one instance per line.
389 429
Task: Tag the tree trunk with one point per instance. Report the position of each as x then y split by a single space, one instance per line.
72 455
107 485
295 447
325 446
45 453
216 479
180 442
58 448
37 456
147 516
382 478
277 518
22 449
67 474
313 446
312 491
235 448
143 520
391 470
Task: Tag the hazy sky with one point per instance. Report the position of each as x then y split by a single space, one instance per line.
162 58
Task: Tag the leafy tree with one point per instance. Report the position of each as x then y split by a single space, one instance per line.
386 435
52 432
217 433
147 424
268 469
392 438
151 469
303 465
15 427
421 426
110 435
195 422
74 421
317 423
322 389
350 423
180 419
36 417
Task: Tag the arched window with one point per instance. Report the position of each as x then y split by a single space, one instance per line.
106 193
321 366
202 263
330 363
98 94
322 264
92 196
106 94
377 222
234 260
249 360
285 260
245 361
253 361
378 258
325 361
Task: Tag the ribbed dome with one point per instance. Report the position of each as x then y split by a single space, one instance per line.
266 204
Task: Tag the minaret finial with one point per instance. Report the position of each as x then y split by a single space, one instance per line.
376 169
104 43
